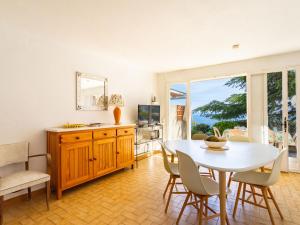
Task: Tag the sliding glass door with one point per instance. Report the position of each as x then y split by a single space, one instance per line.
281 115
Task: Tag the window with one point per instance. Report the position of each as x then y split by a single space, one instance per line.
219 103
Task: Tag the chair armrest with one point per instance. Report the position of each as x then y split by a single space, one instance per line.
47 155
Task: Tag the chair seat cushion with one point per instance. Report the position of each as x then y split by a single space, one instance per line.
252 177
21 180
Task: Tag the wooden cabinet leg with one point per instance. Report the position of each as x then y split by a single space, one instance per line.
58 194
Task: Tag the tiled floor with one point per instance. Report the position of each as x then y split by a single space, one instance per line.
135 197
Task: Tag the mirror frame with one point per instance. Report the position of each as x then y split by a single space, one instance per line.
79 76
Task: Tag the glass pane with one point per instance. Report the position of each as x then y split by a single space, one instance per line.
177 112
292 113
219 103
274 86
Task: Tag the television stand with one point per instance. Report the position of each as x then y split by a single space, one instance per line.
147 138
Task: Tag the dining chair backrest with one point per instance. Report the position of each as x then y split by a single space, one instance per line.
239 139
189 174
14 153
165 158
275 173
217 132
199 136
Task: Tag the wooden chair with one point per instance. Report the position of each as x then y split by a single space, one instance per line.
262 181
19 153
172 169
200 187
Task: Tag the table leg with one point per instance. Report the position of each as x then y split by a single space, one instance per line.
222 190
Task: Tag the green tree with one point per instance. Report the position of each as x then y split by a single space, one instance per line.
234 107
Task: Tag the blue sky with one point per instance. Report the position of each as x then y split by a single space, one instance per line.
203 92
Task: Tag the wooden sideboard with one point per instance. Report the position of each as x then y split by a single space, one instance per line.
81 155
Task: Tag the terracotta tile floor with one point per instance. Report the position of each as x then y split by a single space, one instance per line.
135 197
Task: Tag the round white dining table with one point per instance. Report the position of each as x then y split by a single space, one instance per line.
238 157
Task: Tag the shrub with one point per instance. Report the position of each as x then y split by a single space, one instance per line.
223 125
200 128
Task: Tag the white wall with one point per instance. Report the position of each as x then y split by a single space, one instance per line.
37 87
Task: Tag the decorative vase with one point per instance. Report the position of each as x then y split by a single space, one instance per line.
117 115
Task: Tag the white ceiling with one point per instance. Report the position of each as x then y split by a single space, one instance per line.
163 35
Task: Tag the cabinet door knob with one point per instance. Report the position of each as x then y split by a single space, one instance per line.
118 152
105 134
90 160
126 131
94 158
77 138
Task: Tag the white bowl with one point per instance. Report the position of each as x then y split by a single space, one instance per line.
212 144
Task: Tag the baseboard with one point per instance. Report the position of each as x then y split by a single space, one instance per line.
147 154
156 152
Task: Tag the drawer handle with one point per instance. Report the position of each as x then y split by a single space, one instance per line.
126 131
104 134
77 138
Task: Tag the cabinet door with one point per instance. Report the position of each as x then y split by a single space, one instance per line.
125 151
76 161
104 156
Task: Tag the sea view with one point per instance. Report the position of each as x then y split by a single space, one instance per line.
200 119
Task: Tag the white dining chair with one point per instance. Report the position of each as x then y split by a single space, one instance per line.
200 187
200 136
217 132
14 154
262 181
172 169
236 139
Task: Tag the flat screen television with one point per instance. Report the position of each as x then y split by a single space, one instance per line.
148 114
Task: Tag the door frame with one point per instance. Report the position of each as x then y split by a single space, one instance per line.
285 165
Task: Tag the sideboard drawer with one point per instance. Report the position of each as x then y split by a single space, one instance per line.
67 138
125 131
105 133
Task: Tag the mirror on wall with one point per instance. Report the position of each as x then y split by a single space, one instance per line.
91 92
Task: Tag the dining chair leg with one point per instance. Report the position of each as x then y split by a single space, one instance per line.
265 196
229 180
48 194
253 193
29 193
275 203
201 210
206 204
227 220
169 182
237 199
183 207
170 193
212 172
244 193
1 209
